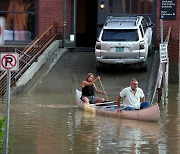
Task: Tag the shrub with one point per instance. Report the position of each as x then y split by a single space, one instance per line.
2 126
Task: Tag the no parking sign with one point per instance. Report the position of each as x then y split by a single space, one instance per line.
9 61
2 27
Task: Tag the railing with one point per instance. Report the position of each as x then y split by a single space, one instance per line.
160 72
29 55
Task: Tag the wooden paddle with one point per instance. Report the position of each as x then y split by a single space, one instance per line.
103 88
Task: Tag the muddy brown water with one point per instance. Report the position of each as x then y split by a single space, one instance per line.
46 119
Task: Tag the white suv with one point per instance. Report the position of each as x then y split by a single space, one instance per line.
124 40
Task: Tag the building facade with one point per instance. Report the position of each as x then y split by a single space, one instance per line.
77 20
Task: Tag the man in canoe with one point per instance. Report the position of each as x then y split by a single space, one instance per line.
88 90
132 97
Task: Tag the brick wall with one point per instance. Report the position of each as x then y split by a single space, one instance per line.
51 11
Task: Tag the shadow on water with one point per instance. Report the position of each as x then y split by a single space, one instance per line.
115 69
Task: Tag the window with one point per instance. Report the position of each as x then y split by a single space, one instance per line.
120 35
141 6
20 18
141 30
144 25
117 7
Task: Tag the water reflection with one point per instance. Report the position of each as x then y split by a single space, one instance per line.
104 135
38 124
170 122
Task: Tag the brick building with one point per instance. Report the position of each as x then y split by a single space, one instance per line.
77 19
174 40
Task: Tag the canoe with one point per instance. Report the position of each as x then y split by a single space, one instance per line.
109 108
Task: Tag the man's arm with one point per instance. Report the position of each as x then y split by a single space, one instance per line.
142 99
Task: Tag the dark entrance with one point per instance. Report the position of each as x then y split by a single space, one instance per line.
86 22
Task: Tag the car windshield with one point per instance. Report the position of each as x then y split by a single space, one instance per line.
120 35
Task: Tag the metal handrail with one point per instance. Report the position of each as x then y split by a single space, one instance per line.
160 73
29 55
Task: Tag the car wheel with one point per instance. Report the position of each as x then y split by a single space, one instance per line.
150 50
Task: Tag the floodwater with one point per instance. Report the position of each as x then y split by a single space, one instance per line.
44 119
51 123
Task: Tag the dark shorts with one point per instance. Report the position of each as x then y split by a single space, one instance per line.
92 99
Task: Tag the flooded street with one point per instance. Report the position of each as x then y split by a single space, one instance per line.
44 118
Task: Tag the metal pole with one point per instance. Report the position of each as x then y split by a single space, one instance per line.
163 67
161 30
64 24
7 111
75 4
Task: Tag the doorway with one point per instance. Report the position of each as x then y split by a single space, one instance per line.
86 21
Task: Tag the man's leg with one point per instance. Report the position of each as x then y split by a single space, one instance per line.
144 105
129 108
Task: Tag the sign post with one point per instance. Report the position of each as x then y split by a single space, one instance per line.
7 111
164 59
2 27
9 62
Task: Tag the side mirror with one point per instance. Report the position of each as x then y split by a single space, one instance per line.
100 25
151 25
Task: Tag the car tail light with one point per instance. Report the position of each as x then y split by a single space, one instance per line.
142 45
98 45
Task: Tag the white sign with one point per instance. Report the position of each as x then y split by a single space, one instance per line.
9 61
163 52
2 27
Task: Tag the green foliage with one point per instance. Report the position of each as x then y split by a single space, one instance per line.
2 126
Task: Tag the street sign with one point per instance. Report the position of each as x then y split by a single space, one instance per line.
168 9
2 27
9 61
163 52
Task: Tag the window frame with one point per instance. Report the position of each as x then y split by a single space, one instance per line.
14 12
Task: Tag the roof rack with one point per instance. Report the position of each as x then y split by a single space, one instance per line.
134 19
137 20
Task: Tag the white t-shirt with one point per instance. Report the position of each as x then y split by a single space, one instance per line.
131 99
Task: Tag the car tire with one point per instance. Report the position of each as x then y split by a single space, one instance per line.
150 50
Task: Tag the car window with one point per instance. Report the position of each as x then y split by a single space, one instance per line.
144 24
120 35
141 30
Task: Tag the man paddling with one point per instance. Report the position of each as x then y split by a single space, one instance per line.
132 97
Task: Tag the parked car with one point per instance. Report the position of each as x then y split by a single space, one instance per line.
124 40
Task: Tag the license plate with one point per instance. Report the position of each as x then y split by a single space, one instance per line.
119 49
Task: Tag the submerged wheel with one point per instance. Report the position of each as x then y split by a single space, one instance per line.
150 50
